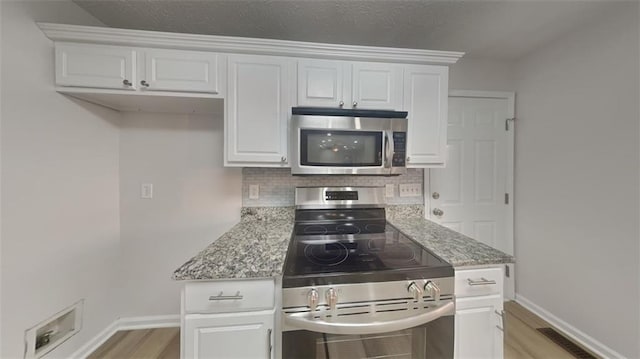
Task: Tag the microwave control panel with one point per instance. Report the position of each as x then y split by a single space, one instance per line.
399 149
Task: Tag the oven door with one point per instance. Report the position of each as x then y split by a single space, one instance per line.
396 328
426 341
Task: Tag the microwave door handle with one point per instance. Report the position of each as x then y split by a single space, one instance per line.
388 144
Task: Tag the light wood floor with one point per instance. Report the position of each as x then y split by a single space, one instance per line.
522 340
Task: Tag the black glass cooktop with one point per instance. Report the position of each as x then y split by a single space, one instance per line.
354 246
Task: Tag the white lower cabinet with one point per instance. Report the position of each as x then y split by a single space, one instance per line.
228 319
229 336
479 326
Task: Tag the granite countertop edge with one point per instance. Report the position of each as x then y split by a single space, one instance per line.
256 246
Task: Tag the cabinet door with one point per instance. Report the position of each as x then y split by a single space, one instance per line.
377 86
425 98
322 83
258 109
478 327
183 71
97 66
229 336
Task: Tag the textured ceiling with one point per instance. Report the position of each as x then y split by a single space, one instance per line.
504 30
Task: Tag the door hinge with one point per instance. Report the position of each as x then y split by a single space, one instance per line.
506 123
506 198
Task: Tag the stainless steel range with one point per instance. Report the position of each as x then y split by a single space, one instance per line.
354 286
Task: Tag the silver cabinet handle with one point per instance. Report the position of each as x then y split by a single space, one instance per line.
355 104
437 212
341 104
269 346
435 195
502 319
127 82
283 159
226 297
408 159
144 83
482 281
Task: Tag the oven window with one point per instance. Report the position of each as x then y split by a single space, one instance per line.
340 148
430 341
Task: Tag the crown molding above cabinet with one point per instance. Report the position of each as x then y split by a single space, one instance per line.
243 45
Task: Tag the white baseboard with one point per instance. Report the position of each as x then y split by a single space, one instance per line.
129 323
569 330
156 321
93 344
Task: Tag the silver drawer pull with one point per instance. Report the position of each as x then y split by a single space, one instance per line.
226 297
482 281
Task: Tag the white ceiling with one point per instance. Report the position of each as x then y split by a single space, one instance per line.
504 30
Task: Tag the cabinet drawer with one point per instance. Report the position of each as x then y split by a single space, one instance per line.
474 282
229 296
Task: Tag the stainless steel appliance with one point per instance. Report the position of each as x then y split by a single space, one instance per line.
356 287
348 142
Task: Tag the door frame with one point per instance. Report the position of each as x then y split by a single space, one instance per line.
510 97
509 283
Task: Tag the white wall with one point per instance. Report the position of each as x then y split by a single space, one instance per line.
482 74
59 187
577 182
195 200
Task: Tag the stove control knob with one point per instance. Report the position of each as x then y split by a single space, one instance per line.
313 297
332 298
433 290
415 291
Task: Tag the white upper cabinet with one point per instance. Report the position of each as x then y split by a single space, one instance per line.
257 110
321 83
326 83
175 70
122 68
376 86
425 99
99 66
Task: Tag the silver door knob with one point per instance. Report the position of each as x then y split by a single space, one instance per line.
341 104
355 104
435 195
437 211
283 159
126 82
144 83
408 159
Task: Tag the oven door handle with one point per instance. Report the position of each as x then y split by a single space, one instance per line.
367 324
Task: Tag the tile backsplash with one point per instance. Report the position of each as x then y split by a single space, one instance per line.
277 185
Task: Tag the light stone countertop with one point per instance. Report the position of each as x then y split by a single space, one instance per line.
256 247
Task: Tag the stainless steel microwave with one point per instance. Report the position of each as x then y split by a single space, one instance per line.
348 142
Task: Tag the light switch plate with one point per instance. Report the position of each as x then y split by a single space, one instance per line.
254 191
146 190
390 190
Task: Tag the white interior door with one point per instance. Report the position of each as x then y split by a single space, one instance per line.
470 194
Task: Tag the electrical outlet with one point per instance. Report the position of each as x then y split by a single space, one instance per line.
254 191
146 190
390 190
410 189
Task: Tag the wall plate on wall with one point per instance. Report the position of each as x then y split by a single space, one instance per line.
53 331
